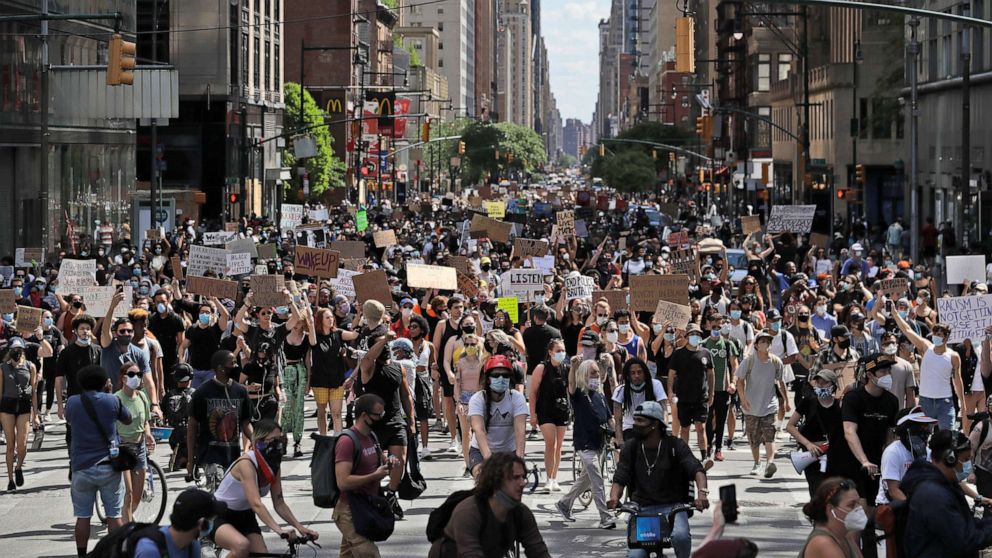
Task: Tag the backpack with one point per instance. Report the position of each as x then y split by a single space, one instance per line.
439 518
121 542
322 474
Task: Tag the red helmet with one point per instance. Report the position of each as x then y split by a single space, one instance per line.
498 361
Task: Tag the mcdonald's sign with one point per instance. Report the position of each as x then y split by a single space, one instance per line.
334 102
384 100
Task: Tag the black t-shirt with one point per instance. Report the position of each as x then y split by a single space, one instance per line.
536 341
386 382
874 416
296 352
203 343
819 422
673 468
166 328
327 366
274 336
219 411
56 340
691 381
73 359
262 373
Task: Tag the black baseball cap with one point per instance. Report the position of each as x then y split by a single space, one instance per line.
197 503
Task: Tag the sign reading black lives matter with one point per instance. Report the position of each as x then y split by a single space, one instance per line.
791 218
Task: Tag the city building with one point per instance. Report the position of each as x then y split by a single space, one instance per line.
519 74
455 22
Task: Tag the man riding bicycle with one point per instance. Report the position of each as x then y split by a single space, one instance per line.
657 468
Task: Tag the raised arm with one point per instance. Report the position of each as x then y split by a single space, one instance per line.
921 344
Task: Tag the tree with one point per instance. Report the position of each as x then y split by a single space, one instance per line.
324 170
565 161
630 170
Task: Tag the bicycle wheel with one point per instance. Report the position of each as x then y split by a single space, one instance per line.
576 466
154 497
607 463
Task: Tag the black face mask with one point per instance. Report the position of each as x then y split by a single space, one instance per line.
642 432
272 453
844 344
468 329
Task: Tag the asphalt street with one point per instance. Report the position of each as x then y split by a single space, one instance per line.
36 520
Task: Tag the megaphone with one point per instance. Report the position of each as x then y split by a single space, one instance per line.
802 459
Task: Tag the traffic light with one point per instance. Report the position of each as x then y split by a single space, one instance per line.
602 150
425 131
701 126
859 174
461 148
120 61
234 197
841 193
764 172
685 51
654 154
497 154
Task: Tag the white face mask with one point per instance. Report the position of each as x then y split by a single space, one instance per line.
624 328
855 520
821 310
612 337
601 320
890 349
133 382
594 384
885 382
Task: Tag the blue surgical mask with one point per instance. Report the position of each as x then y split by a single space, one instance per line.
735 314
904 314
205 319
281 310
669 337
161 308
499 385
560 357
776 325
725 329
48 322
938 340
965 471
714 333
694 340
8 318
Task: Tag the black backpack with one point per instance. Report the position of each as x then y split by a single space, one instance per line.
439 518
322 474
121 542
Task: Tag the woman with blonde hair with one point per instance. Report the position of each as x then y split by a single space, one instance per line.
468 359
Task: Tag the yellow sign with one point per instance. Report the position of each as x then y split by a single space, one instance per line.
335 106
495 209
511 306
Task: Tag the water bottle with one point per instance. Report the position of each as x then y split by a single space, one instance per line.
114 450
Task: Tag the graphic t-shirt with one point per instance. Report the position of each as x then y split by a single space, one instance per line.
219 410
499 432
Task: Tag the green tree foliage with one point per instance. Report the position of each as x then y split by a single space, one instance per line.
565 161
614 169
482 141
399 43
324 170
630 170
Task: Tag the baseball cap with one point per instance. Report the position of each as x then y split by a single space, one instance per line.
903 264
763 334
828 375
773 315
16 343
590 339
408 301
197 503
857 246
182 372
915 414
485 260
840 331
650 409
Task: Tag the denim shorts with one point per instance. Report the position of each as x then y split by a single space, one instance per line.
99 479
141 450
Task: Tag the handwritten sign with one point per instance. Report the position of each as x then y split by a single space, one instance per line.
566 223
431 277
616 298
153 234
177 268
76 273
8 301
462 264
291 215
647 290
495 209
343 284
523 247
319 214
497 231
203 259
893 288
352 264
238 264
683 262
28 319
267 290
373 285
676 314
819 240
512 307
791 218
383 239
679 239
317 262
218 238
98 299
750 224
208 286
579 286
960 268
349 248
243 245
968 316
267 251
467 285
27 257
524 284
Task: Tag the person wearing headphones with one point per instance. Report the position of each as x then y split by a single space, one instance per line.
940 523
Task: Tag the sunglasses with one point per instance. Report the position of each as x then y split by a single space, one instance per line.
265 313
501 375
133 374
124 331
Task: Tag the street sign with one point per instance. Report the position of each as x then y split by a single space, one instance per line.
161 215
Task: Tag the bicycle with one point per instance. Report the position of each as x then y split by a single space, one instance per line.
154 497
209 550
607 466
651 532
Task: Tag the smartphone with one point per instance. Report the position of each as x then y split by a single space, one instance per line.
728 502
888 306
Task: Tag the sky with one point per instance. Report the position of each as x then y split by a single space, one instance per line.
570 29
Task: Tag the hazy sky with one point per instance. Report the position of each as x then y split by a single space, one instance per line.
570 29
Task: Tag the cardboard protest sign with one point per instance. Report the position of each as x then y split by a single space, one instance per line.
844 370
76 273
791 218
750 224
261 269
218 238
525 284
316 262
177 268
566 223
647 290
581 230
97 300
678 239
267 290
678 315
334 197
961 268
431 277
616 298
467 285
352 264
486 192
683 262
373 285
153 234
203 259
208 286
349 248
238 264
495 209
8 301
28 319
512 307
243 245
497 231
524 247
383 239
267 251
893 288
343 284
290 216
462 264
579 286
968 316
26 257
232 227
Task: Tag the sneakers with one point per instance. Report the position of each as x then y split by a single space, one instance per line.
730 444
11 486
770 469
297 452
718 455
394 504
707 464
607 524
424 453
455 447
19 476
564 512
554 485
546 489
757 469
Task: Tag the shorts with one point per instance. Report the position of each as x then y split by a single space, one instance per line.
423 400
244 521
15 406
139 450
447 388
692 413
390 435
474 458
556 418
99 479
323 395
759 430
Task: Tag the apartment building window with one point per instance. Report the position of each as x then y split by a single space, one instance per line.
277 68
764 73
244 59
268 65
763 136
440 45
440 11
784 65
257 66
276 9
440 26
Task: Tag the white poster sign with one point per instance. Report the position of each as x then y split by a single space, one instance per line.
76 273
343 283
524 284
291 215
238 264
968 316
579 286
203 259
960 268
218 238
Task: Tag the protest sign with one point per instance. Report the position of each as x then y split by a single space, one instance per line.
373 286
791 218
678 239
97 300
291 215
8 301
579 286
319 214
647 290
525 284
349 248
74 274
486 192
512 307
352 264
384 238
545 263
581 230
316 262
203 259
683 262
343 283
27 257
467 285
207 287
462 264
523 247
961 268
431 277
678 315
232 227
238 264
844 370
243 245
616 298
261 269
497 231
267 290
28 320
177 268
361 221
566 223
218 238
267 251
968 316
153 234
893 288
495 209
750 224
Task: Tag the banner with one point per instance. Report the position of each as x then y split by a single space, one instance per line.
647 290
319 215
383 239
373 286
791 218
678 315
218 238
579 286
203 259
961 268
207 287
316 262
290 216
74 274
524 284
267 290
431 277
343 283
512 307
968 316
243 245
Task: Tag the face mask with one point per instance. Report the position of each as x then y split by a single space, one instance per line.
472 351
965 471
83 342
844 344
938 340
803 318
8 318
559 357
601 320
539 300
271 452
735 314
714 333
624 328
642 431
205 319
725 329
506 500
48 322
885 382
594 384
499 385
282 310
694 340
468 329
776 326
845 286
612 337
161 307
407 312
124 339
669 337
656 328
823 392
890 349
637 387
919 300
133 382
821 310
486 267
855 520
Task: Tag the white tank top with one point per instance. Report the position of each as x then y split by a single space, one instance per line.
232 493
935 375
